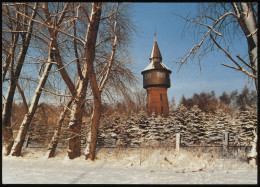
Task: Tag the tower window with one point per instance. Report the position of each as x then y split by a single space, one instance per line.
161 74
161 97
162 110
147 76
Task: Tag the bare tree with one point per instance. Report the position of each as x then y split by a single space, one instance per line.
105 62
219 20
56 136
99 60
118 34
16 149
11 44
94 58
25 33
87 73
97 89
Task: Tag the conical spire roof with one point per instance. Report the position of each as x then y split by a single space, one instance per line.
155 51
156 59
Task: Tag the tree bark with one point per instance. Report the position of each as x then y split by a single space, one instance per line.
76 114
95 119
96 90
56 136
75 122
10 58
247 21
6 115
17 147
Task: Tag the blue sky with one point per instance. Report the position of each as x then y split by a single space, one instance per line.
169 28
173 46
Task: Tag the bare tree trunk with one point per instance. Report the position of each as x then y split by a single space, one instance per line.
56 136
8 139
25 105
247 21
75 123
250 21
6 115
65 76
77 108
17 147
63 72
10 58
96 90
95 118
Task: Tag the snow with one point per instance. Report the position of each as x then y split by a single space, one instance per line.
152 66
127 166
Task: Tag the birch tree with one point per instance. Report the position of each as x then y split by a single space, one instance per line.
102 64
89 52
96 68
25 32
18 143
16 149
94 60
57 133
218 21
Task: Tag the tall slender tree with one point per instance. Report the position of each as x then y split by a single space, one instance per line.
25 31
17 147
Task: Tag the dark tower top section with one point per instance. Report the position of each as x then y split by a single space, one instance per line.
156 74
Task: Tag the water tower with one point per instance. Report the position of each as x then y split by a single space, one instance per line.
156 81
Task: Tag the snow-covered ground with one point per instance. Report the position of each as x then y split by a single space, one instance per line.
127 166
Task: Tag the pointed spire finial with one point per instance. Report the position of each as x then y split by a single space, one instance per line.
155 34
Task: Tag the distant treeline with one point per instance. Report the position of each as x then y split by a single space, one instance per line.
135 103
208 102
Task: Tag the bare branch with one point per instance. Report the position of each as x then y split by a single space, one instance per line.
253 68
249 35
196 47
228 55
33 34
51 26
112 54
236 9
231 67
23 97
199 23
79 39
61 67
75 46
243 70
62 14
52 93
86 12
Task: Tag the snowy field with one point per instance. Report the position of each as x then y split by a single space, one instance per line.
128 166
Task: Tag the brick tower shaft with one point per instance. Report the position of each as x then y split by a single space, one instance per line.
157 101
